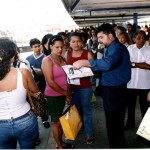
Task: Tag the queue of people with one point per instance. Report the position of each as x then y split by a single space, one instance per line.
123 63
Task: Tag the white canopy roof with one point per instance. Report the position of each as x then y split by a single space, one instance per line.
90 12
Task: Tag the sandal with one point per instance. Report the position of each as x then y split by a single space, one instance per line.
38 141
68 146
89 139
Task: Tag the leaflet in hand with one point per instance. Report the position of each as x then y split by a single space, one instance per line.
80 73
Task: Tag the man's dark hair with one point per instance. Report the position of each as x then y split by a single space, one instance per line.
106 29
140 32
129 24
34 41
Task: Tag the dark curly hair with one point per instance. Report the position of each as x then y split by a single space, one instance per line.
7 51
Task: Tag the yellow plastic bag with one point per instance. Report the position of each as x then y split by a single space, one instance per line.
93 98
71 123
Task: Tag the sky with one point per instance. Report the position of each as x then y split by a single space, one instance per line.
28 18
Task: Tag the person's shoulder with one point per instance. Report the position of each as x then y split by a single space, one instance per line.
25 72
43 55
46 59
147 47
130 47
25 61
115 44
85 51
29 57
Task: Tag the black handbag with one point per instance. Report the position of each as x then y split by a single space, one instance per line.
38 105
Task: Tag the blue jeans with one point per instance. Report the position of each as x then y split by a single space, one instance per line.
82 100
23 129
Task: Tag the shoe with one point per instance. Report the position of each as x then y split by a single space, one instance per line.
46 124
38 141
89 139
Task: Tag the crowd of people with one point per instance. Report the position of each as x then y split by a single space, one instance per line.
120 60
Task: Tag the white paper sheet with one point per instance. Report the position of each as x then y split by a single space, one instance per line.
82 72
144 128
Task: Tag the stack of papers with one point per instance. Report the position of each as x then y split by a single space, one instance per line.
80 73
75 75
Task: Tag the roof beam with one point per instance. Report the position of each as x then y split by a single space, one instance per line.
111 16
74 5
120 8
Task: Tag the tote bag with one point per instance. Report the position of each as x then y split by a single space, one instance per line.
71 123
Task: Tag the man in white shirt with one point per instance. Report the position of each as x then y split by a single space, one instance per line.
139 85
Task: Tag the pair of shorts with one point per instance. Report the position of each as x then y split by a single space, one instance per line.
55 106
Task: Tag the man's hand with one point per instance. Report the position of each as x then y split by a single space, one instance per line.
81 63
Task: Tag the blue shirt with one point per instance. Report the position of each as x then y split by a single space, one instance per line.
115 66
36 64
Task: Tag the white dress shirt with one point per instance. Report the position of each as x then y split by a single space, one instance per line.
140 78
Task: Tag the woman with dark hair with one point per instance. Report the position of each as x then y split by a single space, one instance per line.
17 121
82 94
56 91
66 46
18 63
44 43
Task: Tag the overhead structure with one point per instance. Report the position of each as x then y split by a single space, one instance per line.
94 12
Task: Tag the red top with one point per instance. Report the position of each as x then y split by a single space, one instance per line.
84 82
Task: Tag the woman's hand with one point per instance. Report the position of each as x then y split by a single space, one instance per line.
68 94
148 97
68 100
68 97
35 95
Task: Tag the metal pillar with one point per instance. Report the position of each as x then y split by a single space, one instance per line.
113 21
135 18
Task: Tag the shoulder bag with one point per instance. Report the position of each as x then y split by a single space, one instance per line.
38 105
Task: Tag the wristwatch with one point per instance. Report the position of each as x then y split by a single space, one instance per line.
133 64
